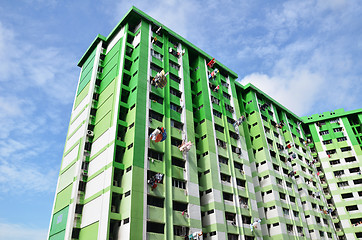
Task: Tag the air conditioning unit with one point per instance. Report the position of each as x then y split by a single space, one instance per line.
90 133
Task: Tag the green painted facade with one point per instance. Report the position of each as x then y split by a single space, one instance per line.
337 145
230 178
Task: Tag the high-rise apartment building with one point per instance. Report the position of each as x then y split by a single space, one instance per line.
337 145
163 143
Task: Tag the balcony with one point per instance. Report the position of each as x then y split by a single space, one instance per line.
340 232
155 236
335 219
179 219
155 214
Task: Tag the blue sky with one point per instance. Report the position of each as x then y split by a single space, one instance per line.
305 54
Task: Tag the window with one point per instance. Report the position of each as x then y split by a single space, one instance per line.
347 195
240 182
156 116
246 219
155 227
282 196
221 143
354 170
235 149
174 78
178 162
175 107
219 128
345 149
155 155
234 135
329 152
216 113
334 162
227 196
352 208
350 159
174 65
342 184
230 120
175 92
215 100
155 201
357 181
223 160
179 206
324 132
337 129
296 214
156 55
341 139
180 230
224 177
289 228
229 108
327 142
177 124
178 183
226 95
238 166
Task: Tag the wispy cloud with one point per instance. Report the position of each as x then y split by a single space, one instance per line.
18 177
21 232
36 82
307 61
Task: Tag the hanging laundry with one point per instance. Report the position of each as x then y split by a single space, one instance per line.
158 135
196 69
155 133
158 30
289 145
264 106
294 156
185 147
211 63
239 121
280 125
157 178
181 53
154 40
213 73
251 227
160 80
216 88
164 134
195 236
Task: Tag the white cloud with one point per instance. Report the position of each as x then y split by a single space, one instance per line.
298 91
20 232
26 66
20 177
37 81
